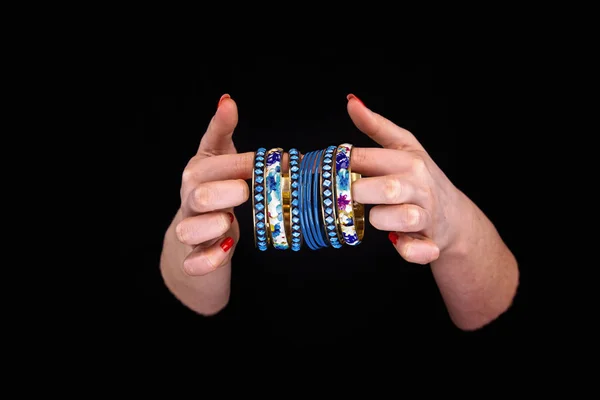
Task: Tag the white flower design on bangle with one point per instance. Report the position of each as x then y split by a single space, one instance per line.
275 199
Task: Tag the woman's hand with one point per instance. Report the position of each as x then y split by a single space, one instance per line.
209 191
416 202
431 221
200 242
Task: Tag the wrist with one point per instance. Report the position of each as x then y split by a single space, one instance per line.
463 227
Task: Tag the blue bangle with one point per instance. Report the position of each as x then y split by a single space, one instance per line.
327 192
317 202
296 228
305 177
258 201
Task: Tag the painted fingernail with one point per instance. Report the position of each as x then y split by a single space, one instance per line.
227 244
225 96
351 96
393 237
230 217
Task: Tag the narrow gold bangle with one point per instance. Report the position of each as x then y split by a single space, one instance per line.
286 205
359 211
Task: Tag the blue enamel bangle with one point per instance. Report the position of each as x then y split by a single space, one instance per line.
314 203
317 202
261 238
296 229
304 221
274 195
328 204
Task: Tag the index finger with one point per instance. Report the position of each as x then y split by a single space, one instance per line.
374 161
224 167
368 161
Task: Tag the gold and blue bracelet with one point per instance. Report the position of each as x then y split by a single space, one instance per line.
274 197
310 204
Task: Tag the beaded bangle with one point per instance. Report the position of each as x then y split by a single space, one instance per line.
296 229
328 204
261 239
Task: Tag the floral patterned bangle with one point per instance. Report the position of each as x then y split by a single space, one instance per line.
274 196
343 195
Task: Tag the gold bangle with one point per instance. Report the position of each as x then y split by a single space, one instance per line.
286 204
359 211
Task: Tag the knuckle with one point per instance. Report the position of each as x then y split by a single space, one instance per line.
187 176
210 265
223 223
412 216
203 196
392 189
407 252
419 167
189 172
180 232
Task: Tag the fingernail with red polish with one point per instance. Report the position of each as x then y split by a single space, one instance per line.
225 96
351 96
230 216
227 244
393 237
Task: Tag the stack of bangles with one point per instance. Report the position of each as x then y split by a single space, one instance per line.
311 203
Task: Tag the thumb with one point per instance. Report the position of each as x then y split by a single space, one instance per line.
217 138
380 129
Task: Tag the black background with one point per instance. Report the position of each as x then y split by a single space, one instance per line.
362 297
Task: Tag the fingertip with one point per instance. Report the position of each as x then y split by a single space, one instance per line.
352 96
361 115
224 97
393 237
226 113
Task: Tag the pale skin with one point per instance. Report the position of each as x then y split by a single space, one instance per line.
429 220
